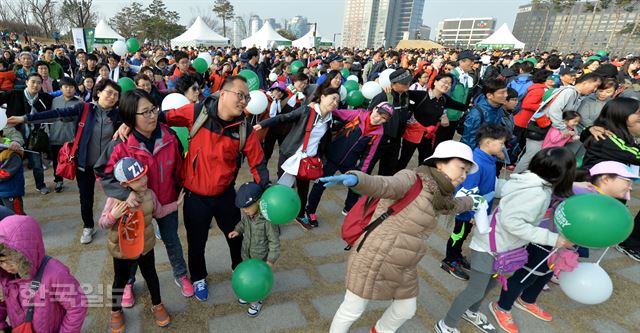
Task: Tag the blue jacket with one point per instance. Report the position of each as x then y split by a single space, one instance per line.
491 115
75 113
11 175
484 179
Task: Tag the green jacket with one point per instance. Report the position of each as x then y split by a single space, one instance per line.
459 93
55 70
261 238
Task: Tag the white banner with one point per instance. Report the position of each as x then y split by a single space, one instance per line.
78 38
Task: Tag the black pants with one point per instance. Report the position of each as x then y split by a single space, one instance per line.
86 186
521 134
454 247
633 242
198 211
122 271
302 186
387 153
328 169
446 133
531 288
273 135
54 150
425 149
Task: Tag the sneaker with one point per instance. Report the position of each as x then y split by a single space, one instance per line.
345 212
453 268
479 320
200 290
242 302
631 253
533 309
546 287
117 322
503 318
87 235
59 187
464 263
302 221
313 220
185 284
128 299
44 190
441 327
161 316
254 309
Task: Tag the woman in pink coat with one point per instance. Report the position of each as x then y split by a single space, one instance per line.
60 303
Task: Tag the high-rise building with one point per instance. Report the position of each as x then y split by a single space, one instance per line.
424 32
464 32
255 23
375 23
577 29
239 31
271 21
298 26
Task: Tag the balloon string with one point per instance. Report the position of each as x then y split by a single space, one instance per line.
602 256
539 264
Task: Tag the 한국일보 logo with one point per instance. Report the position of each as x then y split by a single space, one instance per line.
560 218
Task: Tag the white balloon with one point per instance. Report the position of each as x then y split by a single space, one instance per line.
119 47
343 93
587 284
383 79
273 77
258 103
371 89
206 56
352 78
174 101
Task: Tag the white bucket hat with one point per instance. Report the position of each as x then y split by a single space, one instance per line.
451 149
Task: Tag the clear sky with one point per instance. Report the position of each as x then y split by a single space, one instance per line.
328 13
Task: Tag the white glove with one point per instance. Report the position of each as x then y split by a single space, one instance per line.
482 219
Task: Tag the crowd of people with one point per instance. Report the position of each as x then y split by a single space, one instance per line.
555 125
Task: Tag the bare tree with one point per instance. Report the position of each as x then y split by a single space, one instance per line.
78 13
594 8
20 12
44 13
210 20
631 29
564 6
224 10
546 6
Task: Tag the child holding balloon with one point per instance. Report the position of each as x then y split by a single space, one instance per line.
525 199
261 238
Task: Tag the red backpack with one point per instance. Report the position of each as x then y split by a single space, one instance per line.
357 221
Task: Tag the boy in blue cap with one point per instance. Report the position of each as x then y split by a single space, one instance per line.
261 237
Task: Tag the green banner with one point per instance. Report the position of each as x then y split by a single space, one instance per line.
495 46
89 38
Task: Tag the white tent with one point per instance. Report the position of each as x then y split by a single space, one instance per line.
308 41
265 38
199 34
501 39
104 35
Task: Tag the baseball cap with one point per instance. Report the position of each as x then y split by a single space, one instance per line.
280 86
244 57
568 71
129 169
386 108
613 168
248 194
466 55
451 149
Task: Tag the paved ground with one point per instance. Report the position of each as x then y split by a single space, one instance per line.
309 280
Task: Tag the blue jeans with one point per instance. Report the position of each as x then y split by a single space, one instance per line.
168 226
38 171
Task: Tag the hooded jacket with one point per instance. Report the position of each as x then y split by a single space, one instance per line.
589 110
525 199
530 104
490 115
484 179
612 148
61 303
7 78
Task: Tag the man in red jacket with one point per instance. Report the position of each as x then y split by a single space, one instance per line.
210 171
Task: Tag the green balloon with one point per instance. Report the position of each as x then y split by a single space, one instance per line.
355 98
345 73
602 53
126 84
200 65
351 86
183 136
593 220
280 204
252 280
133 45
252 79
296 66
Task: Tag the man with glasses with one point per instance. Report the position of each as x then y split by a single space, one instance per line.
211 167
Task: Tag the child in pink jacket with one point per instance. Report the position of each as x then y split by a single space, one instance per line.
555 138
59 303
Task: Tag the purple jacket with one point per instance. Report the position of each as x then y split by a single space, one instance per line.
60 303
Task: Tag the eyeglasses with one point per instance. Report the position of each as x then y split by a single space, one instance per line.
195 88
241 96
149 113
111 93
628 181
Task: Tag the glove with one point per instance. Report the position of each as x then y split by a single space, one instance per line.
481 219
478 201
563 261
346 180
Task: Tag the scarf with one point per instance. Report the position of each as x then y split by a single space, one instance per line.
30 100
441 186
